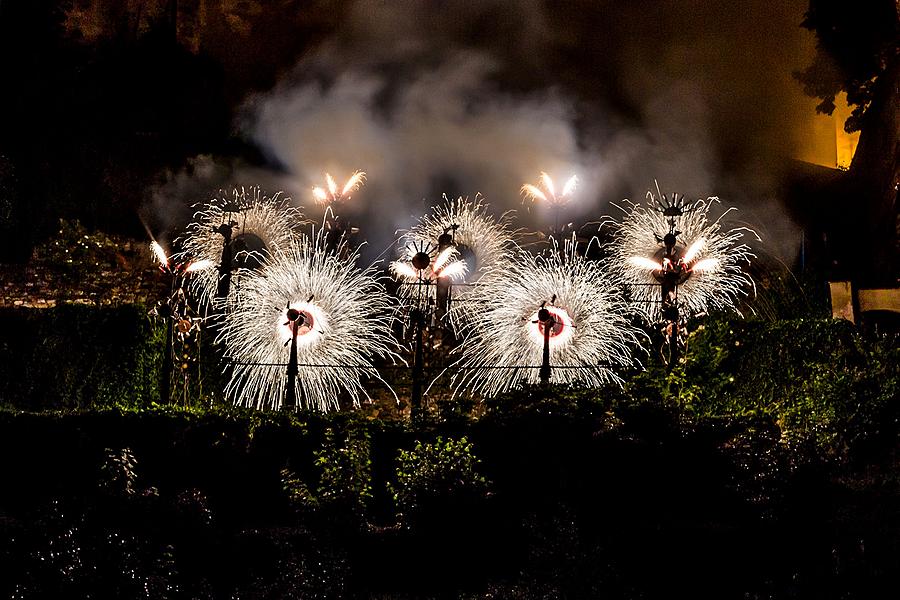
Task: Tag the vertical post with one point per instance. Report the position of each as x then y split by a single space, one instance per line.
225 264
673 346
418 365
165 379
290 396
547 322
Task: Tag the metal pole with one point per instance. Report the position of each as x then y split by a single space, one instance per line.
415 410
290 397
547 320
225 265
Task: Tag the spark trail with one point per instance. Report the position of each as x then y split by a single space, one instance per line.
591 338
256 224
346 326
482 244
711 257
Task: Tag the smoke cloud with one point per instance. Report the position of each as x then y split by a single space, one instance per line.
461 98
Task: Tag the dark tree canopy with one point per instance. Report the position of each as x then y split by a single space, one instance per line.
857 44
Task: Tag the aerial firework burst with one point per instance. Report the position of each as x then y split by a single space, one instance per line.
332 193
481 242
546 191
257 225
709 258
346 324
590 336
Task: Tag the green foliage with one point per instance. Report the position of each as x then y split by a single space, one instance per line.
343 469
78 356
117 473
432 473
819 381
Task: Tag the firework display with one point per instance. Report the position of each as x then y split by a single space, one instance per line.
589 334
333 194
306 326
548 193
476 243
237 232
342 317
674 245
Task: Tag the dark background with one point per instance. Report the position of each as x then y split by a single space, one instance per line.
117 112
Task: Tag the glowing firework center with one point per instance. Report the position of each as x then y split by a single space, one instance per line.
310 321
559 323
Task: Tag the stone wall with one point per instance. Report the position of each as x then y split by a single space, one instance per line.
79 267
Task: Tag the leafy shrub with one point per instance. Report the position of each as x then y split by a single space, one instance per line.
432 474
78 356
819 381
117 473
344 468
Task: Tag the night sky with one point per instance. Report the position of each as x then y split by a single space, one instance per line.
118 110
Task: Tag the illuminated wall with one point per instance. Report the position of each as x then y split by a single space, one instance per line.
822 139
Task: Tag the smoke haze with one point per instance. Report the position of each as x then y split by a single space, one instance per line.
461 97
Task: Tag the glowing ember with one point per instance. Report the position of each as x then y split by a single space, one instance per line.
591 334
344 322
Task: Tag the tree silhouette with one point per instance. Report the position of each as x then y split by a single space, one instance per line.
859 53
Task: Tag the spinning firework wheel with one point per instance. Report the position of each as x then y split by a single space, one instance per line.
552 313
238 233
307 331
676 264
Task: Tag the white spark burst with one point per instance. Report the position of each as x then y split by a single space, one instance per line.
482 242
259 224
159 254
347 324
592 336
712 257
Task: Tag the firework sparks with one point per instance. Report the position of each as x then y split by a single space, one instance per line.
590 333
423 266
548 194
332 194
159 254
481 241
256 224
710 258
346 324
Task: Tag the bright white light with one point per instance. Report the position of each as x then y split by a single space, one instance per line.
270 219
560 334
351 316
717 281
596 336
